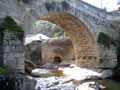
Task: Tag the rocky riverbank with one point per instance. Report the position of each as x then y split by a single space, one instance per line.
17 82
63 77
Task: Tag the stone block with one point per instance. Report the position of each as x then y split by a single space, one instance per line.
20 61
19 55
10 55
6 49
5 55
20 67
13 66
21 70
5 43
11 42
19 49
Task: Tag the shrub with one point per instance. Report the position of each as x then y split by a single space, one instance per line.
106 40
55 35
10 25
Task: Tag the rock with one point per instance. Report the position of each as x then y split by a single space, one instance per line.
39 72
48 65
29 66
17 82
107 74
88 86
116 74
53 83
78 73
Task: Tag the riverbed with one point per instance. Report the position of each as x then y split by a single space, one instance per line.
56 81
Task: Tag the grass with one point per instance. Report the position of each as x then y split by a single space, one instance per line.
4 71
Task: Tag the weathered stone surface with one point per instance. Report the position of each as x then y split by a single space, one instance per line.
11 82
107 74
58 47
38 72
29 66
88 86
81 21
13 53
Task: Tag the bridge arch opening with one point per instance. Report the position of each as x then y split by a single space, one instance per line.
85 47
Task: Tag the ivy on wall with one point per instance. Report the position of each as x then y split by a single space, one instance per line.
4 71
106 40
10 25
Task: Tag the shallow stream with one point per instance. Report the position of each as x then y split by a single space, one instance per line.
109 83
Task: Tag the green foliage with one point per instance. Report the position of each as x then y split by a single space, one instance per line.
2 27
106 40
10 25
65 35
4 71
33 52
105 9
55 35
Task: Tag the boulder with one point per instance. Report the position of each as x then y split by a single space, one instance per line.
17 82
29 66
88 86
116 74
79 74
107 74
39 72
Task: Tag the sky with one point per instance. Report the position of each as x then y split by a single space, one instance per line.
108 4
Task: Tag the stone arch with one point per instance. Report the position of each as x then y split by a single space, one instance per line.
84 44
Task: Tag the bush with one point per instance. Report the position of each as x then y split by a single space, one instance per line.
10 25
106 40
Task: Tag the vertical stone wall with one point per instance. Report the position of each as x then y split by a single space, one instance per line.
33 51
13 52
107 57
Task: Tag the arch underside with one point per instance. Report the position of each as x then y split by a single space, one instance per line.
84 44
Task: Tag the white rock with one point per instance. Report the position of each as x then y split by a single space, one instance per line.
40 71
78 73
88 86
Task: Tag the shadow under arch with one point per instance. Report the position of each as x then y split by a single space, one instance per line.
83 41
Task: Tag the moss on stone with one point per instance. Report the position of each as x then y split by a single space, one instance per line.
106 40
10 25
4 71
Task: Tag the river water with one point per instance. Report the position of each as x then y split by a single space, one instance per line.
108 83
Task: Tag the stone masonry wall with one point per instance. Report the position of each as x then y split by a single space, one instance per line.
33 51
107 57
92 19
13 53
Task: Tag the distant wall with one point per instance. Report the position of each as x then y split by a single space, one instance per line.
33 51
13 52
58 47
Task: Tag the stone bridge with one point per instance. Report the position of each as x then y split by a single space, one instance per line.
81 21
